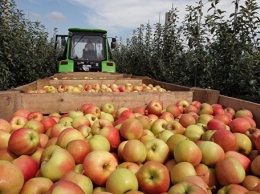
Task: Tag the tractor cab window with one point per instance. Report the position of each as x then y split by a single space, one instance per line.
87 47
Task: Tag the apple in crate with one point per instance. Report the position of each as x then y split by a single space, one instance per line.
131 129
36 185
17 122
154 107
4 138
5 125
65 187
157 150
23 141
186 187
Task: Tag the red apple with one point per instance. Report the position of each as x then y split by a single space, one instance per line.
255 166
243 113
131 129
48 122
36 185
154 107
4 138
21 112
35 125
216 124
240 125
180 171
68 135
6 154
226 139
186 120
64 187
134 167
174 110
36 115
245 161
113 136
250 182
5 125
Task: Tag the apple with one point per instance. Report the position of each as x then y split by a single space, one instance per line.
92 118
224 118
153 177
48 122
98 165
99 124
85 131
17 122
108 108
57 129
37 155
211 153
255 166
36 185
35 125
164 135
85 106
139 109
243 113
182 104
157 150
205 108
250 182
4 138
240 125
175 127
216 124
28 166
81 180
134 167
186 120
154 107
121 180
66 121
257 143
173 141
191 108
134 151
120 150
194 132
112 134
80 120
226 139
208 174
145 122
229 171
197 180
196 103
6 154
244 143
94 110
36 115
174 110
180 171
204 118
78 148
186 187
107 116
131 129
187 151
158 126
5 125
21 112
75 113
56 162
244 160
99 142
68 135
64 187
11 178
23 141
167 116
233 188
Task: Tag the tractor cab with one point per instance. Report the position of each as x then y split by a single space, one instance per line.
85 50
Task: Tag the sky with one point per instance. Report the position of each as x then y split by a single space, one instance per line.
118 17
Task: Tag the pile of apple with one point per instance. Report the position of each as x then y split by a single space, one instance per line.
195 147
94 88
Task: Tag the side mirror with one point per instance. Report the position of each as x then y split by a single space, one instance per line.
113 43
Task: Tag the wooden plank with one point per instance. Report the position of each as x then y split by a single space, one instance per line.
205 95
8 103
64 102
238 104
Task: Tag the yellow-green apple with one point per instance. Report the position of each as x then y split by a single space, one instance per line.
35 125
68 135
21 112
107 108
167 116
23 141
66 121
100 190
107 116
174 140
211 153
223 117
5 125
175 127
99 124
92 118
244 143
208 174
157 150
99 142
197 180
240 125
205 108
147 135
244 160
6 154
250 182
98 165
134 151
48 122
174 110
64 187
93 110
35 115
194 132
80 120
186 187
255 166
37 155
216 124
145 122
229 171
47 151
153 177
28 166
57 129
233 188
81 180
134 167
121 180
164 135
230 110
180 171
17 122
158 126
129 87
4 138
85 131
55 163
11 178
78 148
36 185
75 113
186 120
225 138
204 118
154 107
243 113
78 168
187 151
191 108
131 129
112 135
206 136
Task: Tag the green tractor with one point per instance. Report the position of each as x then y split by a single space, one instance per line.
85 50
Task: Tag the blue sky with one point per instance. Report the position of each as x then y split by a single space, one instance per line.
118 17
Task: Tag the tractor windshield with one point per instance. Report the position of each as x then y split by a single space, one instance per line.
87 47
